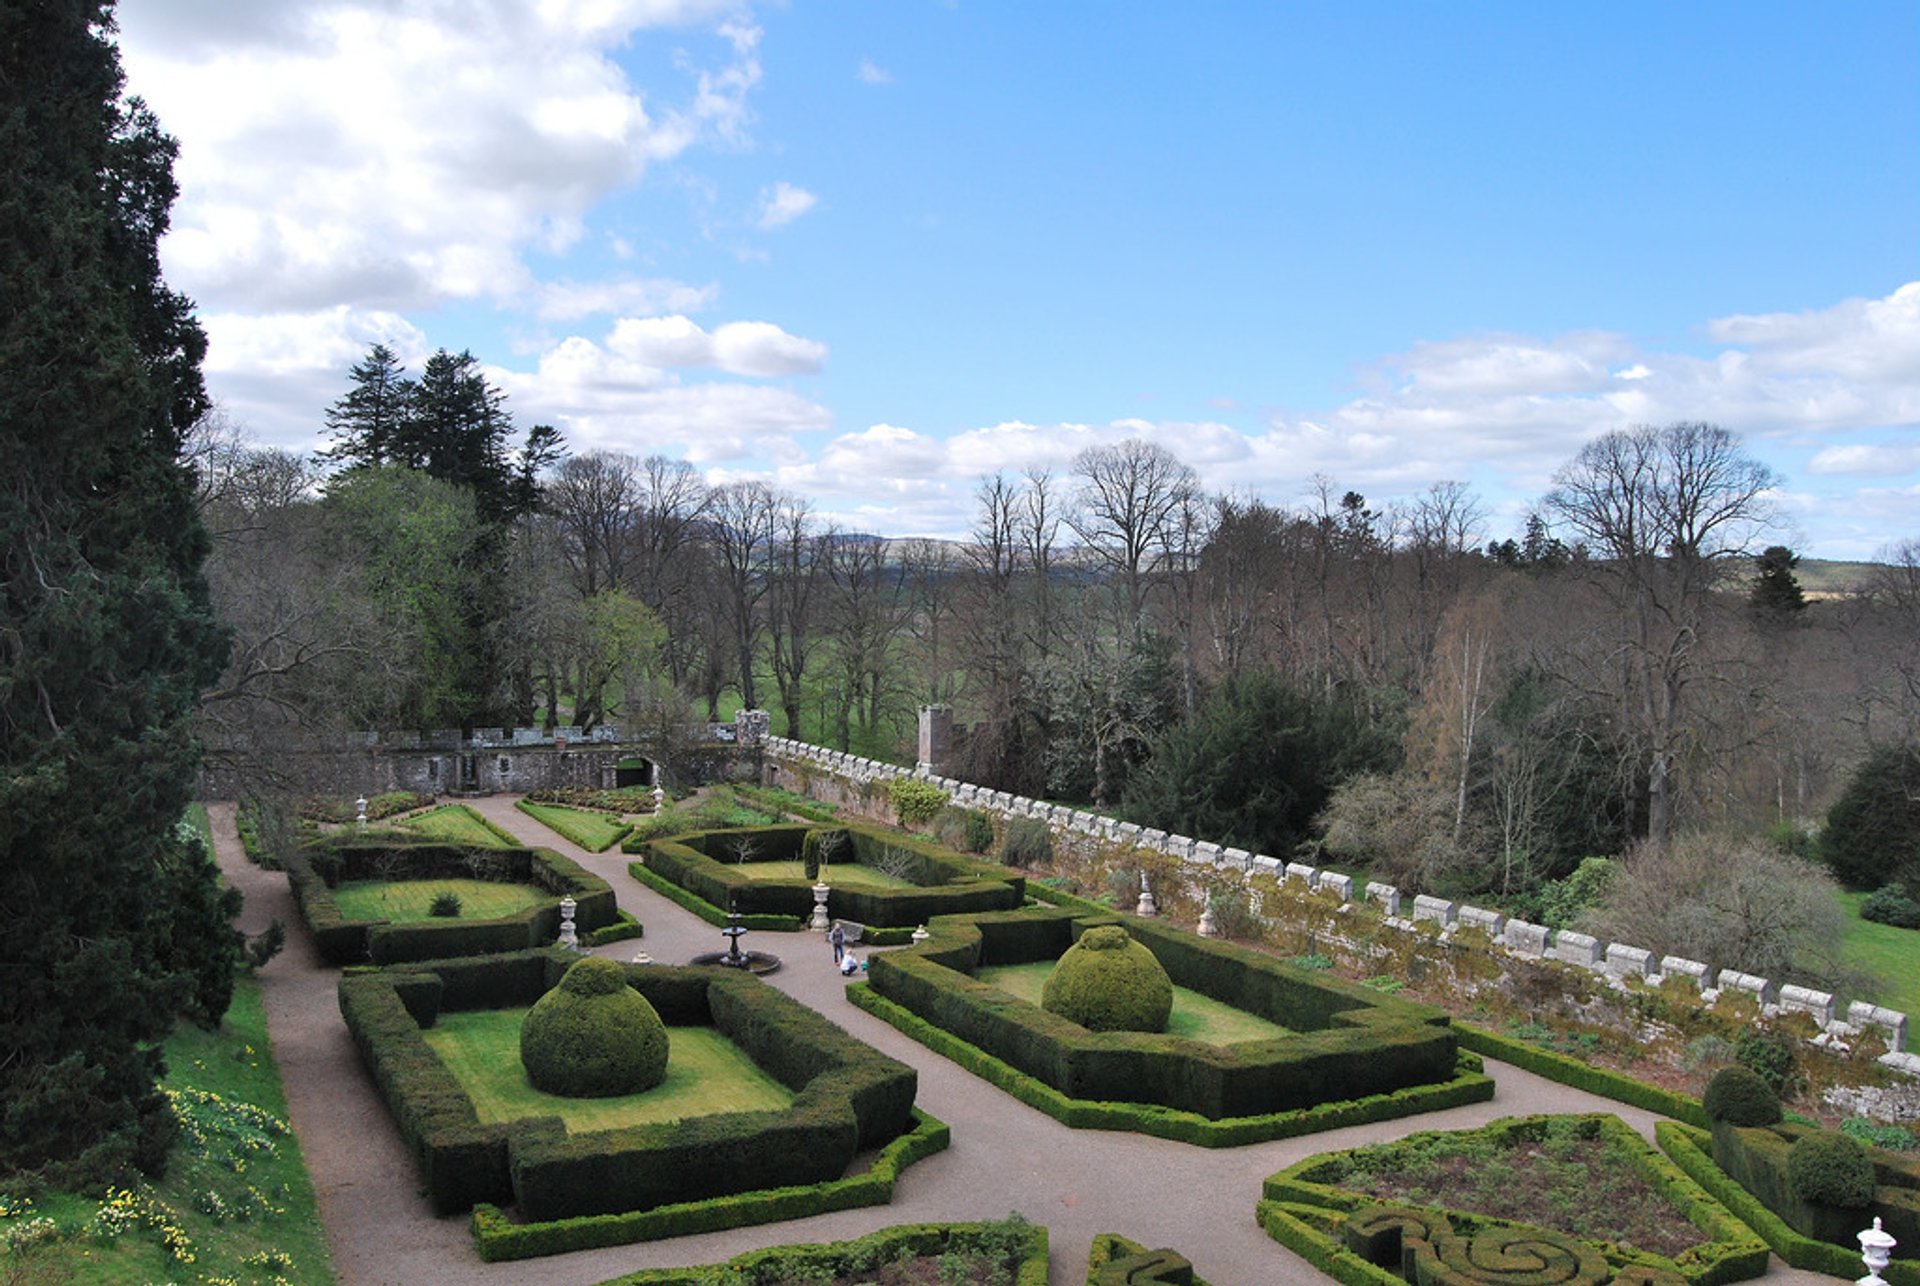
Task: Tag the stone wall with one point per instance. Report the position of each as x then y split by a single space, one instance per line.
1489 939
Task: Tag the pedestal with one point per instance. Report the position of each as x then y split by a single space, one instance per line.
819 922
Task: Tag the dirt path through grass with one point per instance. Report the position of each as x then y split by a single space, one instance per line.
1005 1156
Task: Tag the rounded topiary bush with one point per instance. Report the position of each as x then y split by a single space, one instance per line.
1830 1169
593 1036
1738 1096
1890 904
1108 982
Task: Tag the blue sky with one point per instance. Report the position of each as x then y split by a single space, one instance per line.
873 251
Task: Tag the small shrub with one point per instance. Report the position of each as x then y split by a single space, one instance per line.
445 905
914 801
1894 1138
1830 1169
1108 982
266 944
1233 915
979 836
1703 1052
1738 1095
1890 904
1770 1055
1028 842
593 1036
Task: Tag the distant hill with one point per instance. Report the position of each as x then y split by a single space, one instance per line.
1831 576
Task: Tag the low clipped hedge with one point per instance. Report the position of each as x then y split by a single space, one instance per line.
499 1239
848 1096
1114 1260
947 882
315 872
1692 1150
1349 1042
1357 1238
1567 1070
1760 1159
689 901
857 1257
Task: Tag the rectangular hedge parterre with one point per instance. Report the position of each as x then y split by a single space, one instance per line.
315 872
1357 1238
947 882
1349 1042
864 1256
848 1096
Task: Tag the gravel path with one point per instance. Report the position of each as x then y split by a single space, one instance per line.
1005 1155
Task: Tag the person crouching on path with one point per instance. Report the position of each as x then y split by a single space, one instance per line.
838 937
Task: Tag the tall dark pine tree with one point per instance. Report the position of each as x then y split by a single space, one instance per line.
366 424
1776 593
111 922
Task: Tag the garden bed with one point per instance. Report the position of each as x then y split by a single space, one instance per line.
717 867
847 1097
343 939
1585 1192
593 830
1348 1054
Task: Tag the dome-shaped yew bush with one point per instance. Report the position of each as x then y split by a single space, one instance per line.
1738 1096
1830 1169
593 1036
1108 982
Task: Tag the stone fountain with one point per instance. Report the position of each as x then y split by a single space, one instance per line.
755 962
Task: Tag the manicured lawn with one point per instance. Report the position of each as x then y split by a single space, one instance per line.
458 824
1891 955
847 875
707 1074
596 832
402 901
236 1196
1195 1017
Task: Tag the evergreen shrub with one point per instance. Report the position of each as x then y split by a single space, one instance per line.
1740 1096
1770 1054
1891 904
1108 982
593 1036
1827 1168
1028 842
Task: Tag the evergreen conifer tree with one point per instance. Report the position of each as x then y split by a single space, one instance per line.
111 918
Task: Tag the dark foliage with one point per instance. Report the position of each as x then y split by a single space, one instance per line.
1891 904
111 923
1872 836
1740 1096
1254 765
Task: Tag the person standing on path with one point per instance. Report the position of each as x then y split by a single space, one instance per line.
838 937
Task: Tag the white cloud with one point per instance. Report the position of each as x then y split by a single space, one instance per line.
739 348
1867 460
572 300
783 203
400 153
871 73
1876 340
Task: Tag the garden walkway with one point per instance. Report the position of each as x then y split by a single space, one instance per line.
1005 1156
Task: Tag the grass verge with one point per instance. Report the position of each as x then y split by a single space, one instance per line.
595 832
1890 955
458 824
1194 1016
406 901
236 1204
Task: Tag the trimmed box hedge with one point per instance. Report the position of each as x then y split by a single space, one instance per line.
315 872
948 883
848 1097
859 1256
499 1239
1692 1150
1756 1158
1734 1253
1567 1070
1348 1042
1114 1260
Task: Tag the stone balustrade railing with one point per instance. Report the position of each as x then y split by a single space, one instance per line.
1612 960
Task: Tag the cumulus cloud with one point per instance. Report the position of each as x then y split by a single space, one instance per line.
739 348
871 73
1870 461
572 300
782 203
398 153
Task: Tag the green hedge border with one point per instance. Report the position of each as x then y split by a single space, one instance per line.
1350 1041
314 871
878 1246
708 911
848 1097
1469 1085
498 1239
562 827
1618 1086
946 882
623 929
1733 1253
1692 1151
1114 1260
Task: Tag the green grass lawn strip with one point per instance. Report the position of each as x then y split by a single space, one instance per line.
1195 1017
233 1194
458 824
846 875
1891 955
403 901
707 1074
595 832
